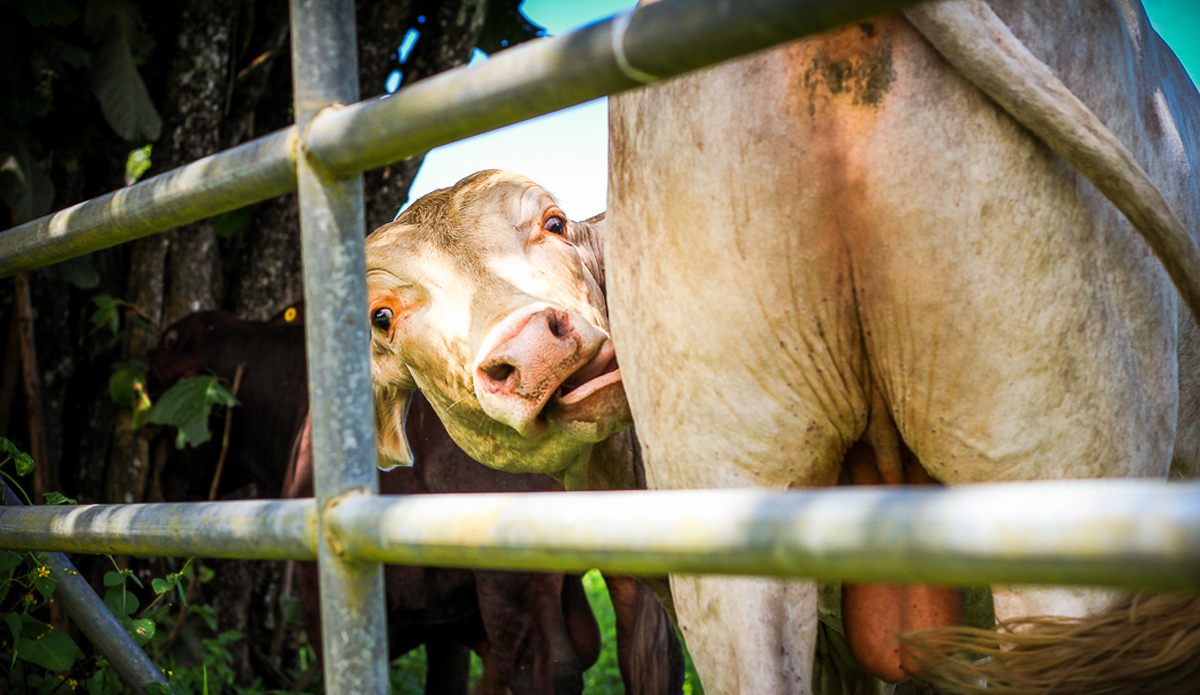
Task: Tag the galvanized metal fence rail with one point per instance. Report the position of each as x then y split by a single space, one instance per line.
1128 533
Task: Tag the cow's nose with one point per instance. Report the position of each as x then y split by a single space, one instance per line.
531 352
521 365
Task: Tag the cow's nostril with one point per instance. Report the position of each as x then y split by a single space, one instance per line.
499 372
559 323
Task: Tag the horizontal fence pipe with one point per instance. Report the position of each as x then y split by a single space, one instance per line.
95 621
1137 534
1128 533
259 529
665 39
252 172
533 79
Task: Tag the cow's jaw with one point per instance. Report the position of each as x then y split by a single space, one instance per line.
543 364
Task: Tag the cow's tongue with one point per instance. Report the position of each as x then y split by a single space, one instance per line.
591 403
588 378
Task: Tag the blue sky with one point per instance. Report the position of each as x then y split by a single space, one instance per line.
567 151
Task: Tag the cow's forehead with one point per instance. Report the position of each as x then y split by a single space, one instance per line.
461 225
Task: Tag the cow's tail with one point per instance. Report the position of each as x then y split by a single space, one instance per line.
1144 644
969 35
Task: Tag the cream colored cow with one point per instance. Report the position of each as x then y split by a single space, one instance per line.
844 248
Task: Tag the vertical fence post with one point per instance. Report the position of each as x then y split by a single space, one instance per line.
325 72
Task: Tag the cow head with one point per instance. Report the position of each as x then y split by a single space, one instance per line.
490 301
188 348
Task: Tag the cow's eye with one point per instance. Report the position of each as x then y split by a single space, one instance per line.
169 340
555 225
382 318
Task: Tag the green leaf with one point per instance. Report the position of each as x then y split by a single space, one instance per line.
33 628
120 601
228 636
39 13
79 272
25 464
228 224
45 585
13 620
116 82
162 586
127 385
53 651
24 187
293 610
61 51
138 162
187 405
114 579
107 312
10 560
140 323
141 630
207 614
23 461
58 498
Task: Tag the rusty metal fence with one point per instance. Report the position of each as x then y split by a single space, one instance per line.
1143 534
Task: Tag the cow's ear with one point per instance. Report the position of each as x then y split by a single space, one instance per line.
391 444
588 237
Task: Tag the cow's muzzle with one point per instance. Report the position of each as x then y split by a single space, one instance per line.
543 363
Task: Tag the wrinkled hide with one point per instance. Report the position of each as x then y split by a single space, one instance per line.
847 244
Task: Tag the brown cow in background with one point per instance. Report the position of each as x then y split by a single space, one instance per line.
535 632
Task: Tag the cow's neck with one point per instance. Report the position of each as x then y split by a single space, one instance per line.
615 464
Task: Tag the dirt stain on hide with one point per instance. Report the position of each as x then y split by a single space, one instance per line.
859 67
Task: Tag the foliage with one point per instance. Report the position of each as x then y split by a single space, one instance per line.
116 28
138 163
230 223
54 661
108 314
127 388
186 405
36 658
41 43
24 462
29 639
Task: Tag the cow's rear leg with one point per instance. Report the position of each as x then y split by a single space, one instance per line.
875 615
749 635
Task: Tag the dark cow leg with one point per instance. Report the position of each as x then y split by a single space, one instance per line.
581 622
449 667
530 649
648 651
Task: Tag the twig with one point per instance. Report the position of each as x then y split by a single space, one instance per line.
237 381
39 447
11 372
33 387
